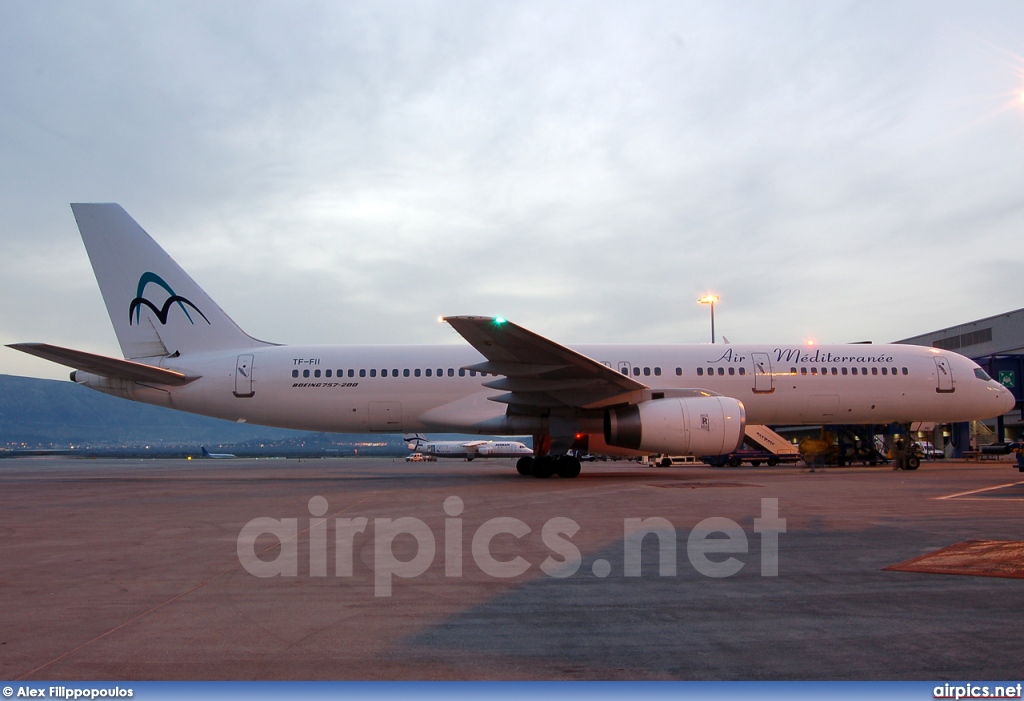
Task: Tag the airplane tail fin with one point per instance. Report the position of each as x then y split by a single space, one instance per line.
206 453
415 440
155 307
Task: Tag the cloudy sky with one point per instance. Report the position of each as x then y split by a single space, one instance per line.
346 172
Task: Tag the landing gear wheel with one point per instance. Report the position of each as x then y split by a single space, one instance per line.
772 462
755 463
913 462
524 466
734 462
543 467
568 467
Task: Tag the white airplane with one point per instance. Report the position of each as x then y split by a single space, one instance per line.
467 449
182 351
218 456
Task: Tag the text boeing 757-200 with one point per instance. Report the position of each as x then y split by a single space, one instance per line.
182 351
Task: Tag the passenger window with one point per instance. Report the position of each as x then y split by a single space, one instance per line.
721 371
853 371
885 371
295 373
874 371
894 371
803 371
732 371
316 373
428 372
405 372
657 372
835 371
351 373
416 372
700 372
743 371
814 372
451 372
792 371
636 371
472 373
305 373
844 371
373 372
440 372
904 371
679 371
462 372
394 372
647 372
624 371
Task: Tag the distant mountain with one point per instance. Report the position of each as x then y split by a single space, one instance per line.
52 414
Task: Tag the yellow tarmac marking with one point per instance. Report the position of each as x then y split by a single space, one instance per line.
979 491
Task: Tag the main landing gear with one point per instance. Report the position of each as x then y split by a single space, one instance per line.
547 465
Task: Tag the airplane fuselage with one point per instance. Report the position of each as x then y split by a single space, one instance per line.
387 388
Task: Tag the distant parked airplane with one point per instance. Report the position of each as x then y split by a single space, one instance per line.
208 454
467 449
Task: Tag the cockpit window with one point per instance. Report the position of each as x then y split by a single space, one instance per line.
981 374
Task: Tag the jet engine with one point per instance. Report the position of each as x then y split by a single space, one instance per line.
678 426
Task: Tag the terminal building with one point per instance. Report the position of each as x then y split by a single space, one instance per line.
996 343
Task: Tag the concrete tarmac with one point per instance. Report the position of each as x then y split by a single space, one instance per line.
129 570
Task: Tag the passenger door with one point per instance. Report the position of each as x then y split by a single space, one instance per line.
243 376
944 373
763 382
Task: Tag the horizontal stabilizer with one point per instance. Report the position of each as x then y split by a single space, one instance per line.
103 365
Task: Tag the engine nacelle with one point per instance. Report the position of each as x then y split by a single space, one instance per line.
678 426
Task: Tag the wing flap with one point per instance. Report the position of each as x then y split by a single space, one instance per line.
527 384
104 365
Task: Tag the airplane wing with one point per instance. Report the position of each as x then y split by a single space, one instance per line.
539 373
474 444
103 365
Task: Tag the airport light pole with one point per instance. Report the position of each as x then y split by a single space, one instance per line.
710 299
